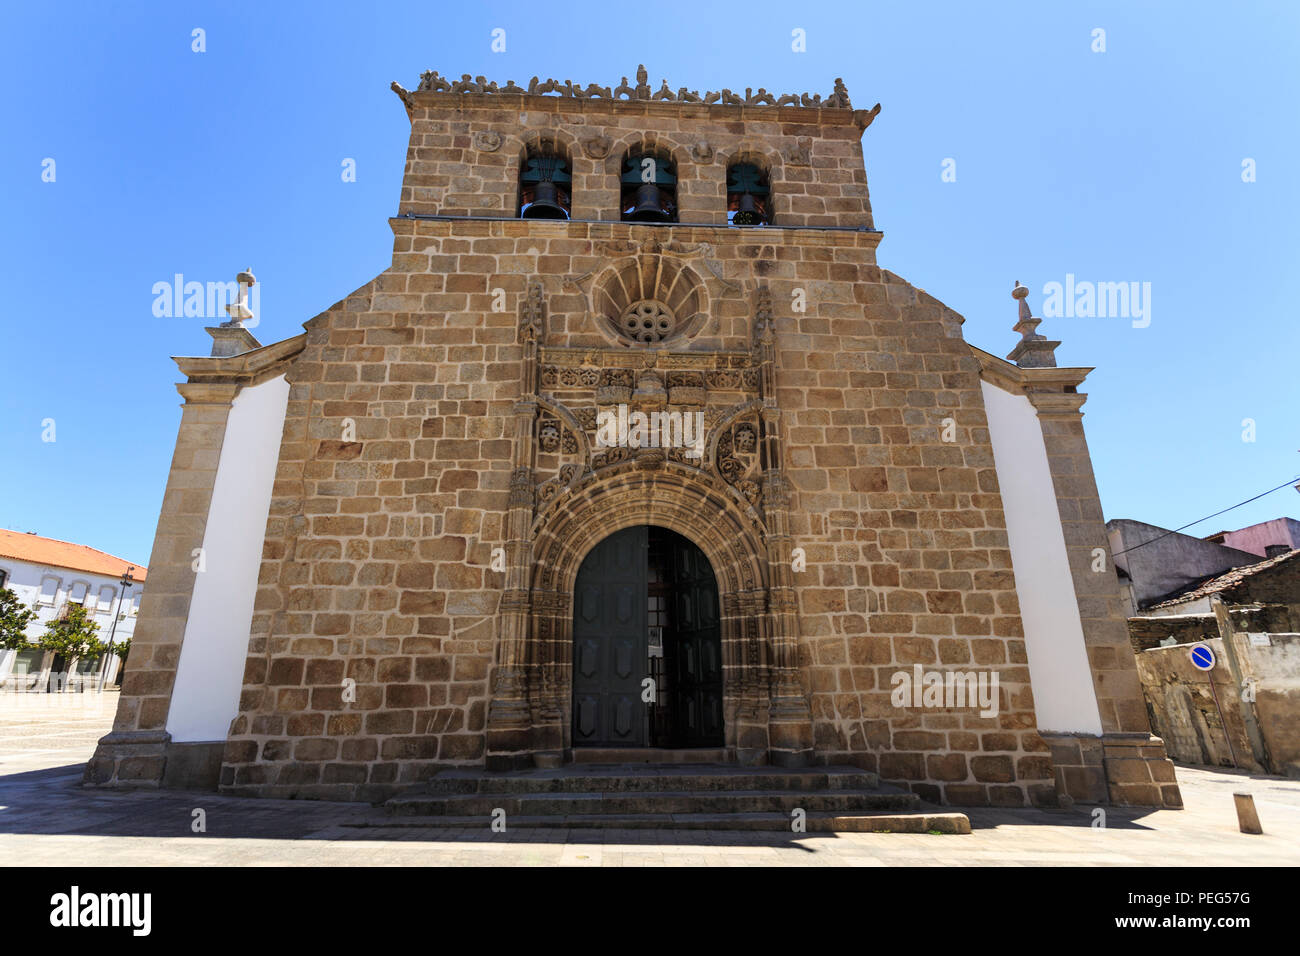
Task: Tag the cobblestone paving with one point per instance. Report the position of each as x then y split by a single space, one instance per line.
46 818
49 730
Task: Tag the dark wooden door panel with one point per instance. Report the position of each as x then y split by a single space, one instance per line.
609 633
698 642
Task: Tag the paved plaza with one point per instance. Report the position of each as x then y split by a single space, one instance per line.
47 818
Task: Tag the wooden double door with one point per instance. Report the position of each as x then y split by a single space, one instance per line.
647 655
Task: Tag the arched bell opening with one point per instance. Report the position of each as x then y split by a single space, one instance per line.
649 186
545 183
749 195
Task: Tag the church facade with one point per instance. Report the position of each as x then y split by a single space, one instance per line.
633 450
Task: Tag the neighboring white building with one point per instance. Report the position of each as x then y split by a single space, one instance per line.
47 575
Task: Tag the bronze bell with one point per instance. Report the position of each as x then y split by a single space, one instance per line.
649 205
545 204
748 213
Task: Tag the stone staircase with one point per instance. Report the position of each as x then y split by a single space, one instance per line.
669 796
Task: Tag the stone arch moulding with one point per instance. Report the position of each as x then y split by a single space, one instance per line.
540 140
734 544
655 142
755 153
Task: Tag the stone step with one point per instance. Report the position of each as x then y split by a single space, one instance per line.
619 778
662 803
638 755
816 822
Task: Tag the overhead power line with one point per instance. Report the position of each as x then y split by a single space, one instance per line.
1208 517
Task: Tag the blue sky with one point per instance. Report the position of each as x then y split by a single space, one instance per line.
1123 165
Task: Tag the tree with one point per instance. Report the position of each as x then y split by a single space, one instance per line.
72 634
122 648
14 618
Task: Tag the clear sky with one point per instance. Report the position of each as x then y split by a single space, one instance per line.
1117 166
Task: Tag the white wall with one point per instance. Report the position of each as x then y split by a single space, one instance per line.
210 674
1064 698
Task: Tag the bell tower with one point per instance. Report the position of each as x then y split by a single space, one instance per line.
561 151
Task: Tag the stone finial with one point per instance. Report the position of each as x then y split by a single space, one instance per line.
238 310
231 337
1033 350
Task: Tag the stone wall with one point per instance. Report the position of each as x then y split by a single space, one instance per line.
1146 632
1274 669
1277 584
1199 729
378 550
1184 712
466 150
443 416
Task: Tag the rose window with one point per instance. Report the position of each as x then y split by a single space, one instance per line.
650 300
648 321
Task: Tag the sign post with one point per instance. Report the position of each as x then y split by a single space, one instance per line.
1202 656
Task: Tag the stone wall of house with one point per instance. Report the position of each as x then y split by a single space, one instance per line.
1278 584
1274 670
1146 632
1205 724
1184 711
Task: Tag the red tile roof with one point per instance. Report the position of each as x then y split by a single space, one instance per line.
64 554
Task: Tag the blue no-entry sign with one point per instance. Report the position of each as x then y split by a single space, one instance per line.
1202 657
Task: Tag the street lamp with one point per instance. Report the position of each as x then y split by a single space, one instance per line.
127 581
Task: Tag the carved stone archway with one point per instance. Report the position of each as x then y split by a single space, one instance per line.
736 512
682 500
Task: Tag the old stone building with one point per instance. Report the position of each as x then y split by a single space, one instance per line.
436 531
1245 711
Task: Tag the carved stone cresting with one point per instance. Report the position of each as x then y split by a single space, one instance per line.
433 82
403 94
